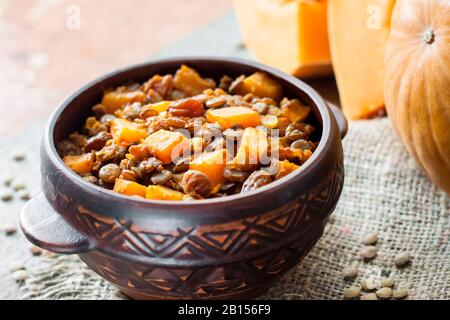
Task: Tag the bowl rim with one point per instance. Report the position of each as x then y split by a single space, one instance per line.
306 169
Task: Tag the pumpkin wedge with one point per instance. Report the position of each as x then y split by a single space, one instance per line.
358 32
289 35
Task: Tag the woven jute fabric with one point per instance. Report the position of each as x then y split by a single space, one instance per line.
385 192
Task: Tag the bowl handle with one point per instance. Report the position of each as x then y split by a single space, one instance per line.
340 119
47 229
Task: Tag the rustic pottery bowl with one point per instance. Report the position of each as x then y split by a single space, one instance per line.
225 248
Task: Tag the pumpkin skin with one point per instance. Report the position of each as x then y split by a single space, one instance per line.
417 83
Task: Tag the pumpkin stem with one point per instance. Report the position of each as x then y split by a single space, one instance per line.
428 36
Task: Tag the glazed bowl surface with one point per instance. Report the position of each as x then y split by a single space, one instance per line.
225 248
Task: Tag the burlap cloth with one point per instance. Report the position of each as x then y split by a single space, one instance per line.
384 192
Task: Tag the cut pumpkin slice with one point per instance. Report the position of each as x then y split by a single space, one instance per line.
358 32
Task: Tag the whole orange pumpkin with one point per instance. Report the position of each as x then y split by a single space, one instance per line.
417 83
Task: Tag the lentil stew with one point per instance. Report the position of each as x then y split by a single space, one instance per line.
185 137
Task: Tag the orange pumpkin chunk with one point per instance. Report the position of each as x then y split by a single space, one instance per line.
261 85
167 145
284 168
159 106
212 164
114 100
129 188
295 111
229 117
81 164
125 131
190 82
252 150
163 193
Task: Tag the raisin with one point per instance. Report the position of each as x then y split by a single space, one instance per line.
97 142
187 108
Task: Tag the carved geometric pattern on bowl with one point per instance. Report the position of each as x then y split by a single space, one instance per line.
219 240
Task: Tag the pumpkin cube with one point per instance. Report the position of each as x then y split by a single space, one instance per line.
81 164
167 145
190 82
125 131
212 164
159 106
289 35
284 168
231 116
163 193
261 85
295 111
130 188
252 150
114 100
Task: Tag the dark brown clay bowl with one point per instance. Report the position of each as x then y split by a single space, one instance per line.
225 248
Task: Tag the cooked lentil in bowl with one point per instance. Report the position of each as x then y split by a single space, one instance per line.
185 137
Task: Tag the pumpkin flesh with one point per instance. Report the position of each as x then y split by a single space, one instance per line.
358 32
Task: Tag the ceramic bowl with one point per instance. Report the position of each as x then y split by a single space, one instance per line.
233 247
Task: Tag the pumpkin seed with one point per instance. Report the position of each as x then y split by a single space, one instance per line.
6 196
16 265
400 294
369 296
384 293
370 239
352 292
369 283
402 259
350 272
387 283
368 252
20 275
